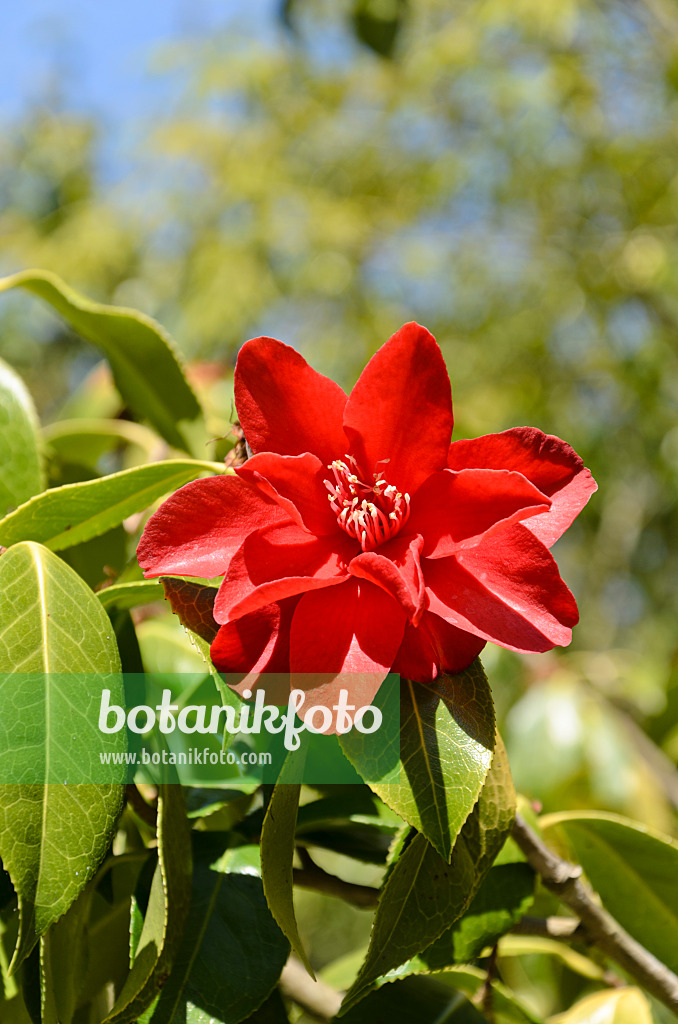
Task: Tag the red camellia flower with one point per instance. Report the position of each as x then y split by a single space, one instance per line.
358 539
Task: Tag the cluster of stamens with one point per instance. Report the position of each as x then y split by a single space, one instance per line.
372 513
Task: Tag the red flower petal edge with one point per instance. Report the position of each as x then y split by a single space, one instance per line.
358 539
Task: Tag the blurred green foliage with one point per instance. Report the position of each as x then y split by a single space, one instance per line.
507 178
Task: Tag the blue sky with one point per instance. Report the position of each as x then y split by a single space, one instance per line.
99 50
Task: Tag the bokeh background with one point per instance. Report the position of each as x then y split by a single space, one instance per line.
503 171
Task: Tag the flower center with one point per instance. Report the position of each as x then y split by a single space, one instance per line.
372 513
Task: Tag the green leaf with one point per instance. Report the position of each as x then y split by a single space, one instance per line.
108 927
446 743
360 840
277 856
421 999
633 870
377 23
619 1006
96 559
21 473
270 1012
231 956
228 696
131 595
63 962
142 356
50 621
424 895
85 440
535 945
507 1008
65 516
166 914
504 897
52 838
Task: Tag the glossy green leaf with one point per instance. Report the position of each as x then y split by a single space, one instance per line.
503 898
85 440
360 840
270 1012
618 1006
166 914
64 955
507 1008
131 595
68 515
535 945
231 956
142 356
108 937
277 856
467 980
52 838
424 895
446 743
417 998
228 696
21 473
99 558
633 870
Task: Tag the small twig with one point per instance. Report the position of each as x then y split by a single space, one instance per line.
486 995
311 876
140 807
315 997
602 930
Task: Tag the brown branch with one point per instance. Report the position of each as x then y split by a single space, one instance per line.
564 880
486 995
311 876
315 997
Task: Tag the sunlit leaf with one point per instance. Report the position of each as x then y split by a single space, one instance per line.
131 595
85 440
633 870
21 472
68 515
141 354
166 914
52 838
504 897
445 749
231 956
616 1006
277 856
424 894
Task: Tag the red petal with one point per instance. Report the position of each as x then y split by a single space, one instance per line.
507 589
295 482
280 562
395 567
551 464
352 628
284 405
401 410
257 643
435 646
197 530
452 508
